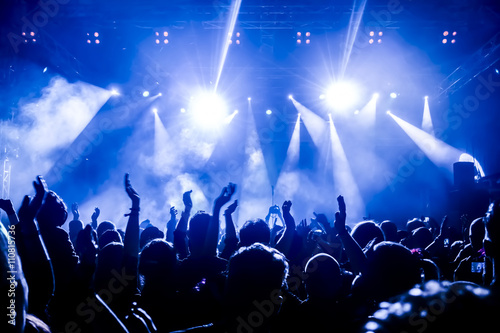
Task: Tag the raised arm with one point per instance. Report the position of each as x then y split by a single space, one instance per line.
34 257
231 240
180 233
352 249
94 217
213 226
285 242
171 224
131 241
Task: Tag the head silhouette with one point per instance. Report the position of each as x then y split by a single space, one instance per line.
255 231
198 227
53 212
365 231
323 277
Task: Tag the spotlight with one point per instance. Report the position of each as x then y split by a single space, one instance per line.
308 41
393 95
379 41
157 41
249 98
370 41
444 41
388 112
380 33
165 34
372 33
165 41
97 41
114 92
299 41
268 112
290 96
236 111
155 110
209 110
342 95
426 97
308 34
453 41
454 33
183 110
145 93
445 33
299 34
45 69
160 94
356 112
497 71
96 34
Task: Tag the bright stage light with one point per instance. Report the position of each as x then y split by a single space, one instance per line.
388 112
269 112
341 95
375 95
145 93
114 92
208 110
155 110
290 96
249 98
393 95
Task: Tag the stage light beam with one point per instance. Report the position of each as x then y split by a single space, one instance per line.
426 119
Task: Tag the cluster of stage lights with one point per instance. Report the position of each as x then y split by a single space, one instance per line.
29 37
306 35
237 40
93 38
161 37
375 35
452 35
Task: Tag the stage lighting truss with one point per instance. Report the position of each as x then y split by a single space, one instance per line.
303 38
162 37
449 37
93 38
375 37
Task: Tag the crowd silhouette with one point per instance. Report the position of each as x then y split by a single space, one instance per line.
263 277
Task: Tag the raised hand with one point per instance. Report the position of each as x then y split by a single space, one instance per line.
74 210
95 214
133 195
186 199
94 217
232 207
41 189
286 207
225 196
7 206
340 216
173 213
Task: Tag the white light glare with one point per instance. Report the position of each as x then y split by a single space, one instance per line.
393 95
114 92
342 95
145 93
209 110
